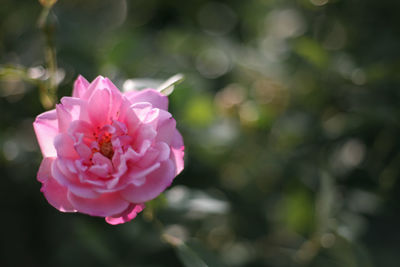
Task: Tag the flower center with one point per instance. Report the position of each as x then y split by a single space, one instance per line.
106 149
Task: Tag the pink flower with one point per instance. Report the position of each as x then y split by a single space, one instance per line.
106 153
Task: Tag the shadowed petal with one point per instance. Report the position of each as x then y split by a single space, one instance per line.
81 127
64 177
159 152
81 148
137 176
132 119
105 205
178 151
44 172
166 127
156 182
55 194
102 166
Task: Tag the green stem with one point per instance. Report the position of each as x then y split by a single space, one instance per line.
43 17
50 97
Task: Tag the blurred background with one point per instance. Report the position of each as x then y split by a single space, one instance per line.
290 115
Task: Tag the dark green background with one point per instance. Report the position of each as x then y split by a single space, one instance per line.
290 116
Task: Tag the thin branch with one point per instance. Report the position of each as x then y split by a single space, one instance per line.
47 29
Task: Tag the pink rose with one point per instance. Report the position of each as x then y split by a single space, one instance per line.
106 153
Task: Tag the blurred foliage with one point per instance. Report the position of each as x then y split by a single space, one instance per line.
289 112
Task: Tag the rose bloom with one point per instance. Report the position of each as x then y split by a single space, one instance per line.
106 152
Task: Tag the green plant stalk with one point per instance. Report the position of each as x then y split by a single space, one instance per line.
50 98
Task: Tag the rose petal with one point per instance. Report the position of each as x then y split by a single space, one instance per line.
46 129
145 133
112 103
80 86
69 180
99 159
129 214
130 155
64 118
94 85
116 99
44 172
166 128
159 152
124 108
64 145
105 205
81 148
178 151
86 192
64 177
156 182
137 176
55 194
151 96
99 107
100 170
81 127
132 121
76 107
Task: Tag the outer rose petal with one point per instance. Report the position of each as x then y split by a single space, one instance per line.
156 182
46 129
126 216
178 151
166 127
151 96
80 86
55 194
105 205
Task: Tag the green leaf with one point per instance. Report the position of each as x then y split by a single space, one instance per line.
312 51
191 253
189 257
168 86
140 84
164 87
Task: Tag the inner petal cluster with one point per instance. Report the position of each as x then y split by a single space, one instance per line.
114 156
